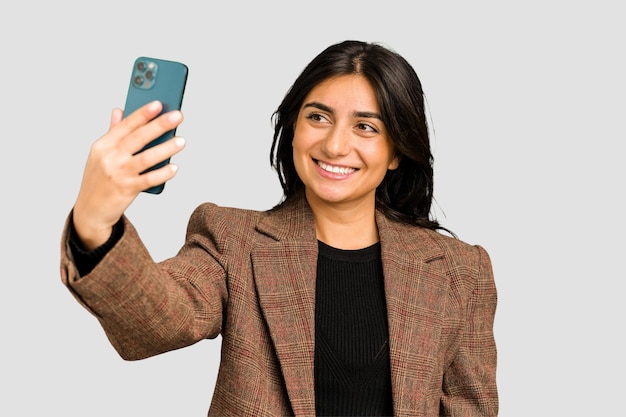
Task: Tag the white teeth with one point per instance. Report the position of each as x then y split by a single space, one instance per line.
335 169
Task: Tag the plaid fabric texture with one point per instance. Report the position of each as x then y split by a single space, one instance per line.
249 276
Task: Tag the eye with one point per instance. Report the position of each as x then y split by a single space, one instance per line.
316 117
366 128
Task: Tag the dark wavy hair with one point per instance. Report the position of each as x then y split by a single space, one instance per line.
406 193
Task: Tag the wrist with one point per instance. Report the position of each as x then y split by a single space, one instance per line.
91 234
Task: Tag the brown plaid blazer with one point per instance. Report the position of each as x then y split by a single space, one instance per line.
250 276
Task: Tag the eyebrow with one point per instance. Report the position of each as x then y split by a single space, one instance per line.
324 107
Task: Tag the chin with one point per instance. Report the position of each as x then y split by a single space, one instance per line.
329 196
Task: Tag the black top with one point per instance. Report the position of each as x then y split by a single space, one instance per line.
352 370
87 260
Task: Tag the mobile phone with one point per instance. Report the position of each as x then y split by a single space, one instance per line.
156 79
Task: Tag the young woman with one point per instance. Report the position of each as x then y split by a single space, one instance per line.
344 299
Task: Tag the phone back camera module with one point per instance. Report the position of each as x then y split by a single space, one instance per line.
144 74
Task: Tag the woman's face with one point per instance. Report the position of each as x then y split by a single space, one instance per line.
341 149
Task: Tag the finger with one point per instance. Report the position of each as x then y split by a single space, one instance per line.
136 140
157 154
139 117
156 177
120 126
116 116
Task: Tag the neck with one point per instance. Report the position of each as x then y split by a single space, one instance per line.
345 226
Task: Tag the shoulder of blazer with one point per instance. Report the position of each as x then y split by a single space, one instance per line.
211 212
222 225
418 242
293 220
290 220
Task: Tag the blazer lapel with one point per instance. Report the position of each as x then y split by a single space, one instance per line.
413 290
285 264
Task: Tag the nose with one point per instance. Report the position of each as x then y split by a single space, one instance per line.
337 142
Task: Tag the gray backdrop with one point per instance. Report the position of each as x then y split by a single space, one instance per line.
526 103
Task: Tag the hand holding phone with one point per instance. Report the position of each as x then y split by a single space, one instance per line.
156 79
110 182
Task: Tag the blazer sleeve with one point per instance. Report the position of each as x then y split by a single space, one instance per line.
147 308
469 382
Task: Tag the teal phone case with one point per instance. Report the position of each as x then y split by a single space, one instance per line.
156 79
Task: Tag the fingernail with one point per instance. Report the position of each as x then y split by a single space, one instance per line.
180 142
174 116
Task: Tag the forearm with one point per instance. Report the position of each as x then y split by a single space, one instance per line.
143 307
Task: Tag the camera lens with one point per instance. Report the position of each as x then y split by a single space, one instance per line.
141 66
149 75
138 80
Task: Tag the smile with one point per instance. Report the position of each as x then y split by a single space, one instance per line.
335 169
